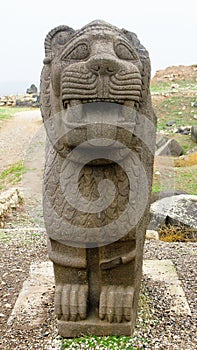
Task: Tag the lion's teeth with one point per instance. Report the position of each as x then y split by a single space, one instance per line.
74 111
129 104
73 103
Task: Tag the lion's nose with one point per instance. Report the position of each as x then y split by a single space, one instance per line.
103 66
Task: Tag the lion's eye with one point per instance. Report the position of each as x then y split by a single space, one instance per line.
80 52
123 52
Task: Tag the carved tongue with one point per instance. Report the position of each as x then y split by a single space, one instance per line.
102 119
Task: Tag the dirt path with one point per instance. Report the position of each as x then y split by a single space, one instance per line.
16 135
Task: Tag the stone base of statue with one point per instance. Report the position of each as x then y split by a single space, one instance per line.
93 326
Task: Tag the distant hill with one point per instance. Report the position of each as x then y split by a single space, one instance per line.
176 73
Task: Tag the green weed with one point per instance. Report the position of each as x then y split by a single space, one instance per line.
11 175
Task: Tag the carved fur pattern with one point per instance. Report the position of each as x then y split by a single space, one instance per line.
58 209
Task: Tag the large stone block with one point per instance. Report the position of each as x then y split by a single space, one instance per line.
169 148
175 210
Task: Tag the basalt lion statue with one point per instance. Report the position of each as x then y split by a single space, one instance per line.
100 125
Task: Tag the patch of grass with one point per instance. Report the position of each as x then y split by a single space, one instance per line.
177 234
160 86
186 179
105 343
177 108
164 86
11 175
182 178
156 187
185 141
8 112
94 342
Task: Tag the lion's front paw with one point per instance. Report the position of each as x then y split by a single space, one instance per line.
116 303
71 302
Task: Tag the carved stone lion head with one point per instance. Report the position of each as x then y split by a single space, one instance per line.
96 75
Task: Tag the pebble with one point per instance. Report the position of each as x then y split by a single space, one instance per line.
170 123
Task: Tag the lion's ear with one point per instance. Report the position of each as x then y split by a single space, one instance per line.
55 40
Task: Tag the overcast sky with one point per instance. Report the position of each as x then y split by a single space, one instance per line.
168 29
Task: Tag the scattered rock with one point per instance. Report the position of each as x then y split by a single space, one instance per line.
171 123
193 150
176 210
30 99
194 104
194 133
170 148
174 86
184 130
152 234
9 200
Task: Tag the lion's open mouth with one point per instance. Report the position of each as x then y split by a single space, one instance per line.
99 122
100 111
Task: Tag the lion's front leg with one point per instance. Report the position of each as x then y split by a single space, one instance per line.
117 264
71 285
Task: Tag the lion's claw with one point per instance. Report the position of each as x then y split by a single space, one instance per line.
71 302
116 303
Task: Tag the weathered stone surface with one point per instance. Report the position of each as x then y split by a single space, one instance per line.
170 148
175 210
96 107
194 133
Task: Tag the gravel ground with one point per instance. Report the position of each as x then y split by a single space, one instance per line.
16 135
156 327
